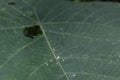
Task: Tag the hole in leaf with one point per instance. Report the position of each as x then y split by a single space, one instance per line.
32 31
11 3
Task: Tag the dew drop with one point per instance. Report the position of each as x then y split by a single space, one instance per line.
58 57
53 49
46 64
74 75
51 60
63 60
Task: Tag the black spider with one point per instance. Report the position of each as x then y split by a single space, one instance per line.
32 31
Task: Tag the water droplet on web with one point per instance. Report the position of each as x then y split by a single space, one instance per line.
74 75
53 49
51 60
58 57
46 64
63 60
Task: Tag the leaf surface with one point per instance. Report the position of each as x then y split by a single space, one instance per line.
80 41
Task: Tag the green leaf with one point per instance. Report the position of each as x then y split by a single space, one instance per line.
80 41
